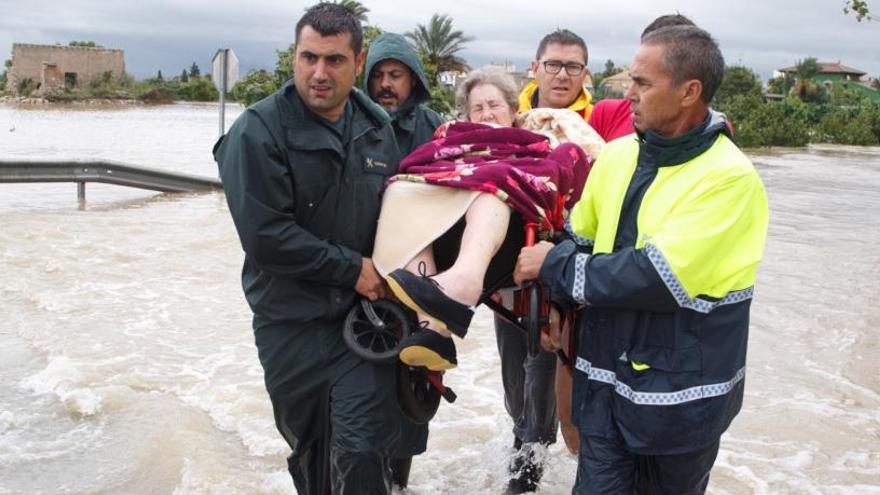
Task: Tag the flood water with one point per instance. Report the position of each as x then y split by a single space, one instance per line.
127 362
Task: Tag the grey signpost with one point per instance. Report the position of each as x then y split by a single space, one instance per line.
225 74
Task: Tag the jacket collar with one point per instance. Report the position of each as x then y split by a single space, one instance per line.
308 133
528 98
664 151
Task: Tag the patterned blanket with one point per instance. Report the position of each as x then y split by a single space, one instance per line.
518 166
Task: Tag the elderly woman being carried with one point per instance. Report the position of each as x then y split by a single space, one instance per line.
488 167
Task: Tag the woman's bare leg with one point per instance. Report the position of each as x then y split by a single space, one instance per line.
484 232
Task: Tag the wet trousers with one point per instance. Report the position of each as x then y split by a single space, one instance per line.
606 467
337 412
529 385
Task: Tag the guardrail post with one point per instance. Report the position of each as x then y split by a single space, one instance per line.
81 192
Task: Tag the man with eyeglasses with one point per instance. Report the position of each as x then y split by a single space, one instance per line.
559 71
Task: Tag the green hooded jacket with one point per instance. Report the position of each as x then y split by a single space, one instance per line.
414 123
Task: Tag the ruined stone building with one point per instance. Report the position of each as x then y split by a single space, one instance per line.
55 66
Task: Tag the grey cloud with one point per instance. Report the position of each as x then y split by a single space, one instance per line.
165 34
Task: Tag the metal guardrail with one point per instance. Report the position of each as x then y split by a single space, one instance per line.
106 172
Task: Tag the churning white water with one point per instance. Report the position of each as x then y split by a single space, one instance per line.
127 362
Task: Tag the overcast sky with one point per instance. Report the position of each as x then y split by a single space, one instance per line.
169 35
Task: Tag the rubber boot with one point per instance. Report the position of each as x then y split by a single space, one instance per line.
400 471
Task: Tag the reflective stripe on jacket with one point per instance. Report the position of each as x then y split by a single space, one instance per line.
664 248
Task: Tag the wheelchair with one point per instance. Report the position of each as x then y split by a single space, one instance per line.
373 330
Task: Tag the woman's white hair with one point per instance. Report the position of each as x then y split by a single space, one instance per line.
496 77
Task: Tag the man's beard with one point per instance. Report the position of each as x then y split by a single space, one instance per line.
388 93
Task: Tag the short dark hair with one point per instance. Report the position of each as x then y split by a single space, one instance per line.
667 20
561 37
330 19
690 53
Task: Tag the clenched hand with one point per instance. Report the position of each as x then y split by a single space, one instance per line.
369 283
529 262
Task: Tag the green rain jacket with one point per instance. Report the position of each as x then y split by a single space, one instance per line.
304 202
414 123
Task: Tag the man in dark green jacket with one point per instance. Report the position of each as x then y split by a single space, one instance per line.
396 80
303 171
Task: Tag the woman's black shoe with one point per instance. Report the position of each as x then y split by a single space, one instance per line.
423 295
429 349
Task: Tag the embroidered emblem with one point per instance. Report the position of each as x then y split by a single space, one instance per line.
370 163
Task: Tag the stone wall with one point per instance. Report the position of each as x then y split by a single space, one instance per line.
54 66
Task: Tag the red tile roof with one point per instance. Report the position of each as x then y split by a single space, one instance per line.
830 68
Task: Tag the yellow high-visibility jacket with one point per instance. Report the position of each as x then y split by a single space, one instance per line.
665 244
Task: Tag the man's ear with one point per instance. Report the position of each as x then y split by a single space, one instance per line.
692 92
534 67
359 63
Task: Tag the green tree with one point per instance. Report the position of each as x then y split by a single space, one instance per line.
199 89
194 72
757 123
738 80
358 9
84 44
254 86
284 65
440 43
610 69
805 70
6 66
370 34
159 77
184 77
26 86
781 85
852 125
442 101
859 8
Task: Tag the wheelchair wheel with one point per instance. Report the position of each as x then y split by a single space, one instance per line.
417 398
373 330
533 321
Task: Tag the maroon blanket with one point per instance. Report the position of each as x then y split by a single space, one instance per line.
516 165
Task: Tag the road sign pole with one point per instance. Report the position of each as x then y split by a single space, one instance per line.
224 63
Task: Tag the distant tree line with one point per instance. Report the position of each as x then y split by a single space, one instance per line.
807 113
190 85
84 44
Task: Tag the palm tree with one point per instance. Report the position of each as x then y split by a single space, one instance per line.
859 8
804 71
358 9
439 43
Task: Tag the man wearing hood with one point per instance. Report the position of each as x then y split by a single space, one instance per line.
396 81
662 254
